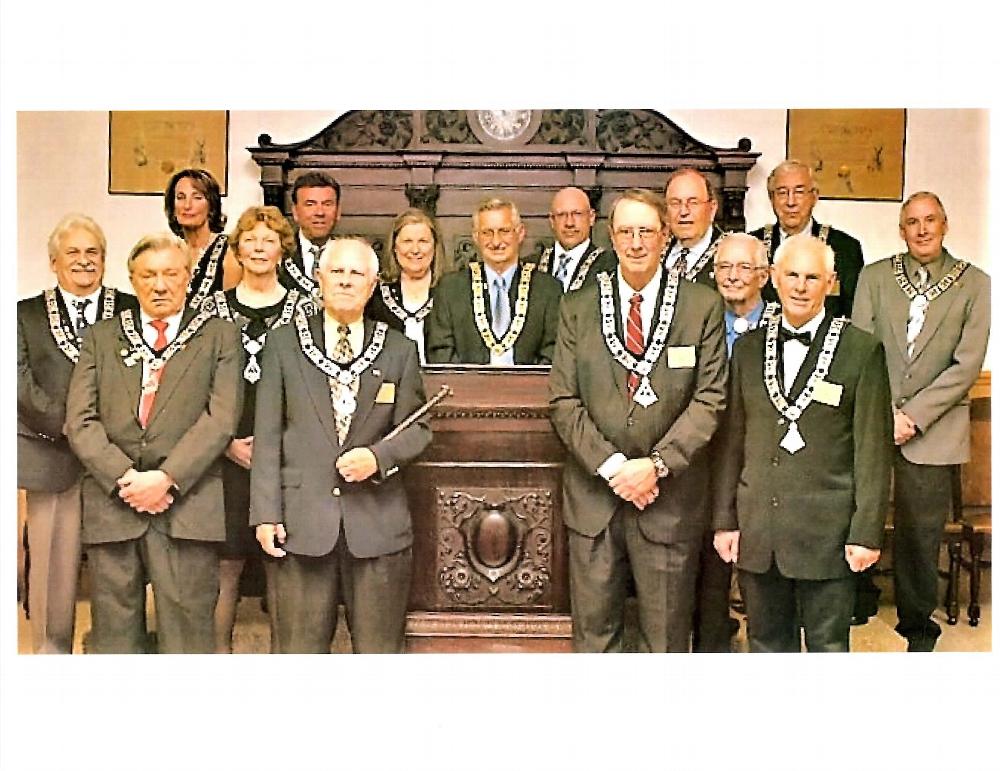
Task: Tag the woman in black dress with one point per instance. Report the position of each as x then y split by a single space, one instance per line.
257 304
193 205
416 261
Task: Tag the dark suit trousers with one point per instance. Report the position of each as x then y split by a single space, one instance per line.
712 624
774 604
922 503
185 579
664 576
53 522
374 590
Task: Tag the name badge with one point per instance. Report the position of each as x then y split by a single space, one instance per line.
680 356
386 394
828 393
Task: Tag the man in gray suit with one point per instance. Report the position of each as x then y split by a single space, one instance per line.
932 313
154 400
326 500
636 389
48 345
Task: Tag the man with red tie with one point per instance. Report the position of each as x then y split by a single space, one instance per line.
153 402
636 390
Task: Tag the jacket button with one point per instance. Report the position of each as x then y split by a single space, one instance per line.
781 421
335 492
774 502
630 421
774 461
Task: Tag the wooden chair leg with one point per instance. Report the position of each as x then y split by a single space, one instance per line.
976 546
954 572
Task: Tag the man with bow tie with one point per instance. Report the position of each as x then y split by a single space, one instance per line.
316 211
574 257
325 496
802 483
932 313
153 402
49 326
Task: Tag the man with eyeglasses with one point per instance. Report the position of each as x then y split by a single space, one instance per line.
496 311
801 482
691 207
574 257
793 192
636 390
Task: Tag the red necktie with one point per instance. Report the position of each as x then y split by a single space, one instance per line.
633 338
148 397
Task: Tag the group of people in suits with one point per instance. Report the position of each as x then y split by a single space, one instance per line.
257 397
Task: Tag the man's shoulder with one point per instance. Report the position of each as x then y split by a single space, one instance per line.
857 339
699 295
31 304
759 232
842 239
454 283
544 284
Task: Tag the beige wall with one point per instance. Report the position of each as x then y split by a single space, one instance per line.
62 167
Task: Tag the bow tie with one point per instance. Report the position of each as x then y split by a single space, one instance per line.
786 336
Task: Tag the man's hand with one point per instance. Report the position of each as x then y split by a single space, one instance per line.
903 428
240 451
727 544
357 465
636 482
860 557
267 535
148 492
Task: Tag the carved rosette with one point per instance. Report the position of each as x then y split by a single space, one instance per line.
494 548
448 127
387 129
561 127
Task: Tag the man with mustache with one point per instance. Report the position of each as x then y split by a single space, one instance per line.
574 257
316 211
49 326
932 313
497 311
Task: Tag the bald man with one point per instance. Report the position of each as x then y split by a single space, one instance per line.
574 257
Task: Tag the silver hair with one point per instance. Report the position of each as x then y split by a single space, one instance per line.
805 242
156 242
493 204
373 264
72 222
791 164
755 245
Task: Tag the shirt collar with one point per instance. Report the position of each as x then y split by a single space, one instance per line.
173 322
935 268
649 292
808 229
753 316
306 246
698 249
810 326
505 277
575 253
69 298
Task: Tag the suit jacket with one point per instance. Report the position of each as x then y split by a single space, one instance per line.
595 417
194 416
296 258
606 260
44 459
452 336
801 509
931 388
705 276
293 479
848 261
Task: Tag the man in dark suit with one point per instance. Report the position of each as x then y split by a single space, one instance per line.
794 193
802 485
325 497
692 203
154 400
316 211
574 257
496 311
932 314
48 345
636 389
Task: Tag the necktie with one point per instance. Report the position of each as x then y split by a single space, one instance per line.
343 405
81 318
787 336
314 251
501 309
918 310
561 268
681 265
152 384
634 338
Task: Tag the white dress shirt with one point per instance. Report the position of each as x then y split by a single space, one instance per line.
794 352
90 313
694 252
575 255
306 248
807 230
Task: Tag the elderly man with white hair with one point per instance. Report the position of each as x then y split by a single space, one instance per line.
324 494
802 488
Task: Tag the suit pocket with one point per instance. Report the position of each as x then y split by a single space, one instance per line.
291 477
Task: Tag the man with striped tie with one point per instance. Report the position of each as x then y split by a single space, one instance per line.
636 390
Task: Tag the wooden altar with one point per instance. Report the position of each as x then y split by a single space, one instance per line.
489 553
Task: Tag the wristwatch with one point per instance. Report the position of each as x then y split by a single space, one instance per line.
658 464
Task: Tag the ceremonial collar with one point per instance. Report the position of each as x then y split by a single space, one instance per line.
395 304
752 319
209 263
932 292
810 326
807 229
64 336
344 375
479 290
574 254
693 251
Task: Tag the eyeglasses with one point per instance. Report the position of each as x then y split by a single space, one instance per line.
677 204
576 214
742 269
646 235
792 192
488 234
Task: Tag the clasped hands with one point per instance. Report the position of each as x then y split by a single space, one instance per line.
148 492
903 427
636 482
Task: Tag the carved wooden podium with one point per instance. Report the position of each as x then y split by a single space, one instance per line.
489 553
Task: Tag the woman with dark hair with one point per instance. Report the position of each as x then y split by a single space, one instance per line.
257 304
193 205
416 260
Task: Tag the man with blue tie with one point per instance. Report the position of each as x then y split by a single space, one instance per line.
497 311
574 257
